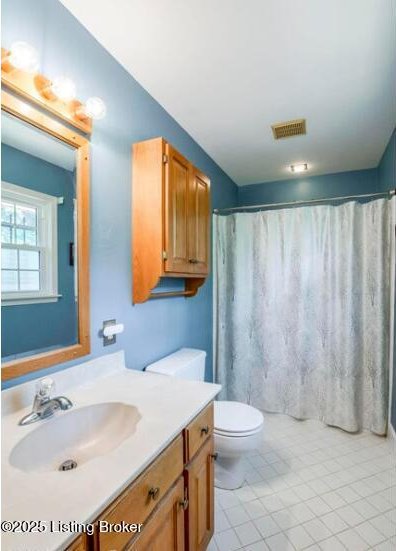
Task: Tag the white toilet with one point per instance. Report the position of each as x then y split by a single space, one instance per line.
237 426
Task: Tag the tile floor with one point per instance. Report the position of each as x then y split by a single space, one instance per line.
311 487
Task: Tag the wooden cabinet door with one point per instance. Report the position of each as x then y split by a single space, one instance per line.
165 529
79 544
177 179
198 222
200 480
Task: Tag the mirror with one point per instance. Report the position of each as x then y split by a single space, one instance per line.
43 264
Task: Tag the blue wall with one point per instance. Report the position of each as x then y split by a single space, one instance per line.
155 328
313 187
20 331
387 177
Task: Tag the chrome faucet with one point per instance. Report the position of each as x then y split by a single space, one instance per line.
43 405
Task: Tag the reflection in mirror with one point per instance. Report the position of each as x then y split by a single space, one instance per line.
38 237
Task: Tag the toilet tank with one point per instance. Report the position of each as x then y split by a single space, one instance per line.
186 363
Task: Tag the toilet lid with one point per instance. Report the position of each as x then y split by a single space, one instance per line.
236 418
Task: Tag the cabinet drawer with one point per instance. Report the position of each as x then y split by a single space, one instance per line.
139 500
197 432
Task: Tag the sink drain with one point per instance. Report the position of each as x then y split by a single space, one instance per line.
68 465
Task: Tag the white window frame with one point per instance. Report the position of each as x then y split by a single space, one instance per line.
47 237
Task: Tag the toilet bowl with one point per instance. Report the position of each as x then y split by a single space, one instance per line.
237 426
237 431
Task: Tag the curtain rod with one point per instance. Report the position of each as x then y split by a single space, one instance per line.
266 205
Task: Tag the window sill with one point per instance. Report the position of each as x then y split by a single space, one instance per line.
35 299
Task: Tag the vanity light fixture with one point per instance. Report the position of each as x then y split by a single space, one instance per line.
22 56
63 88
94 107
299 168
19 71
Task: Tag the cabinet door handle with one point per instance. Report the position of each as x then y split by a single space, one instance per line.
214 456
154 493
184 504
193 261
205 430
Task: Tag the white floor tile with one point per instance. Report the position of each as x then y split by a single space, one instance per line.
272 503
228 500
384 525
333 500
247 533
221 522
279 543
386 546
299 537
370 534
352 540
318 506
334 522
255 509
236 515
317 530
227 540
310 487
301 512
304 492
348 494
332 544
212 545
381 504
364 508
267 526
245 494
350 515
258 546
285 519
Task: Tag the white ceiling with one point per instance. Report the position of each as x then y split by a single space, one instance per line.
29 139
227 69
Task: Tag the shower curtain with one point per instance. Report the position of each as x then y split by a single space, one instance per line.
302 307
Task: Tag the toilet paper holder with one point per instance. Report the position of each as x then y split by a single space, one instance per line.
110 331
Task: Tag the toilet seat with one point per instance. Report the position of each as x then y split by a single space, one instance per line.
236 420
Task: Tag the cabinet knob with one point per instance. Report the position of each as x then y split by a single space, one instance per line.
154 493
193 261
214 456
184 504
205 430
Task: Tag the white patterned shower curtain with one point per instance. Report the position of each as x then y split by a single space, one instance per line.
302 309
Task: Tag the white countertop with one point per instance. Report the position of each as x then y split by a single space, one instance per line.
165 404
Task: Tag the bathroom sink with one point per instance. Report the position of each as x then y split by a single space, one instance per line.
71 439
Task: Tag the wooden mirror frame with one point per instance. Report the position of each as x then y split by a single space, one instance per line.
25 112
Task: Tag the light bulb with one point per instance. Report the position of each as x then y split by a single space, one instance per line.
64 88
24 56
95 108
299 168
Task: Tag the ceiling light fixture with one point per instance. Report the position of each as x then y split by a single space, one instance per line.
24 57
299 168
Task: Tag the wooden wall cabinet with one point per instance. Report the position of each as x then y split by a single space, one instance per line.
173 498
170 220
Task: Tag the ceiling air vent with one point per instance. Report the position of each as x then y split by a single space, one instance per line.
289 129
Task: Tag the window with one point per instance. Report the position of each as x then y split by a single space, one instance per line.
29 270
